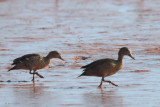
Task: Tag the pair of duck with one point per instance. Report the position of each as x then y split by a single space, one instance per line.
100 68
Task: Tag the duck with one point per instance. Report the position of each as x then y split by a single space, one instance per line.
106 67
34 62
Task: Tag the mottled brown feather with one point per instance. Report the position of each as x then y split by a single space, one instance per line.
34 62
106 67
102 68
22 58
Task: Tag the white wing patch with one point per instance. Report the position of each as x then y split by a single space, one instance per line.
20 61
27 59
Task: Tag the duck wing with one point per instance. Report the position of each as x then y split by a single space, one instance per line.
93 63
24 58
99 68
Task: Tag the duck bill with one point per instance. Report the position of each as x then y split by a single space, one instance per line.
61 58
132 57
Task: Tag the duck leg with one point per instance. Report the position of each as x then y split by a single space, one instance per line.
36 74
39 75
33 74
100 86
33 77
110 82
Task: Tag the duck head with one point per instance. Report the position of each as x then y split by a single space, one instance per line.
54 54
125 51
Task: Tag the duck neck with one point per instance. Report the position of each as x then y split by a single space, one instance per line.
120 57
48 57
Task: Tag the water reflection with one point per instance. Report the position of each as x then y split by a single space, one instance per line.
31 94
103 99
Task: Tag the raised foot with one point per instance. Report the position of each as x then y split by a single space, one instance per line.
115 85
112 83
39 75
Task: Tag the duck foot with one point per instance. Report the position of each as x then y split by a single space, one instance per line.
33 80
39 75
100 86
111 83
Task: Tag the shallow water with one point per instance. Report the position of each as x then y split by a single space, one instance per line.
92 28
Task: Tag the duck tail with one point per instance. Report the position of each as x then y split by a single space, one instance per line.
12 68
81 75
83 67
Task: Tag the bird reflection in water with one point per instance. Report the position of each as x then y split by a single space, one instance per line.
103 98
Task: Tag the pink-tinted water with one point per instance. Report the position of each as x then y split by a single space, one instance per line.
89 28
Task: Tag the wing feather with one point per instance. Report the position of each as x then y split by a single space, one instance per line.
24 58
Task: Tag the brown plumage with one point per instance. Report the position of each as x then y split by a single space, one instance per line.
34 62
106 67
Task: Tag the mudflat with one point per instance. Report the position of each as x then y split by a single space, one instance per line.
83 31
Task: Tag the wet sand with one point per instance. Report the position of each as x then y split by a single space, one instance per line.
93 29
